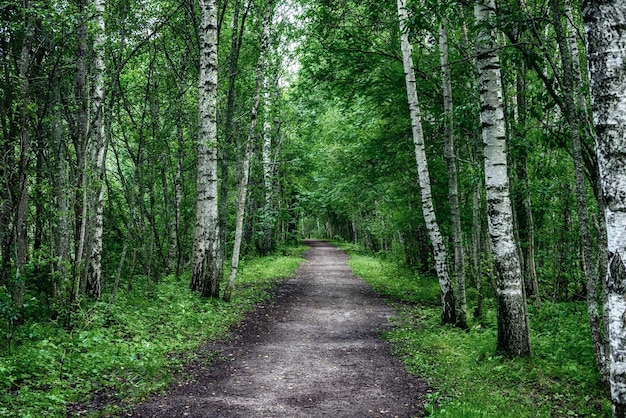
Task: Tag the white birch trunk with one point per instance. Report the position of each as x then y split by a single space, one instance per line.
227 140
604 22
267 145
439 250
513 330
269 153
267 220
98 151
245 169
206 260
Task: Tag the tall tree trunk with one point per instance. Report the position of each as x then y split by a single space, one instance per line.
478 212
245 167
10 130
206 260
62 189
477 249
175 241
21 228
602 258
80 149
98 152
453 189
586 119
448 314
571 114
513 329
521 164
266 151
175 250
226 144
604 22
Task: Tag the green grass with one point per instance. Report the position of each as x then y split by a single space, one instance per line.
466 377
127 350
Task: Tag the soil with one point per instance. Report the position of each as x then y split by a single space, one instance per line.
314 351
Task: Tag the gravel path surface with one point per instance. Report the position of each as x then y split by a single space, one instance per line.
314 351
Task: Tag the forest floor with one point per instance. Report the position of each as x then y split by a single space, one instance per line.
313 351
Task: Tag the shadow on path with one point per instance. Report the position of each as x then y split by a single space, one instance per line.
313 352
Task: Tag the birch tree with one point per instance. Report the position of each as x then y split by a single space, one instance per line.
604 23
206 259
448 314
98 152
238 27
242 189
268 221
513 329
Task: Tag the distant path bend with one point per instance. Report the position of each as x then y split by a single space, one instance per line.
314 352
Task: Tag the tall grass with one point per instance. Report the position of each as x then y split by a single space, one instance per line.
466 377
126 350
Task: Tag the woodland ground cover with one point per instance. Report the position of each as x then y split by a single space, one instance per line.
467 377
125 350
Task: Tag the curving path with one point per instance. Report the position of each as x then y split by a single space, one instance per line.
314 352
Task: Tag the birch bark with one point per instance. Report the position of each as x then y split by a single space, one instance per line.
245 170
98 151
269 152
206 260
448 314
226 143
604 23
513 330
266 243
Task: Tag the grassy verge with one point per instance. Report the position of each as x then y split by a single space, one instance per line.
127 350
467 378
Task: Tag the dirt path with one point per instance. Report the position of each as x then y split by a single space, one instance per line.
314 352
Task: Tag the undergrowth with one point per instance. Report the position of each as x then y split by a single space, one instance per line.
116 354
466 377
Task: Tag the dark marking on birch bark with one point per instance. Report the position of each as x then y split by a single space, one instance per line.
617 274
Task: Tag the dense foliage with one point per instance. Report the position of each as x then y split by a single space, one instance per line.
89 227
354 106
